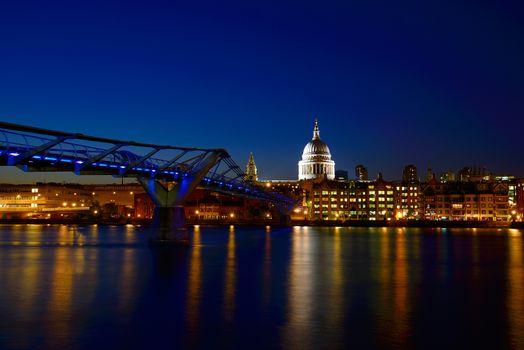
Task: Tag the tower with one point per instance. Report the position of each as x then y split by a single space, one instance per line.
251 169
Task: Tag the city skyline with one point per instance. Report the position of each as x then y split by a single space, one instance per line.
16 176
392 85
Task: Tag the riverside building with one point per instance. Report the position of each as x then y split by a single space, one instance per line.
476 195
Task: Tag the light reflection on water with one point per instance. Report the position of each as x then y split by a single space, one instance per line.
299 295
301 288
230 277
194 292
515 295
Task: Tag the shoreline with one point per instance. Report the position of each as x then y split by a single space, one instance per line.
360 223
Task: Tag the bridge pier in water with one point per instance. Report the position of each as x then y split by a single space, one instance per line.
284 214
170 224
169 219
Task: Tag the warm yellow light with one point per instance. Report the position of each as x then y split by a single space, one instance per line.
268 184
114 192
96 212
139 215
513 212
232 215
197 212
64 204
267 215
297 210
93 193
74 204
131 193
128 215
305 212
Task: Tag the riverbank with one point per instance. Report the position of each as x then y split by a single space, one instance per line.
255 223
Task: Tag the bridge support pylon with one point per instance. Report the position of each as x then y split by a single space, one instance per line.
285 219
284 214
169 220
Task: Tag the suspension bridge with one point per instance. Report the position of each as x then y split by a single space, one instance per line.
168 174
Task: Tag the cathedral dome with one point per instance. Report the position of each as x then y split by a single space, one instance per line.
316 149
316 159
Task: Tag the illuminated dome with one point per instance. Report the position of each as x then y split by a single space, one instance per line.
316 149
316 159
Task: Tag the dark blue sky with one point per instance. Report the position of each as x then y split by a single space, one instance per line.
433 83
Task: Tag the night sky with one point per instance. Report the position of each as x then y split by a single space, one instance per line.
437 84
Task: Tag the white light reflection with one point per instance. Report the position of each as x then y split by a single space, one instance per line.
297 332
515 294
230 277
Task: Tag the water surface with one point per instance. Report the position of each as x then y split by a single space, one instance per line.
259 288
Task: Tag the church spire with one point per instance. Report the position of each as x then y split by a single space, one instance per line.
316 133
251 169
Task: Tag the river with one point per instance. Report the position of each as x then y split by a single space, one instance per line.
98 287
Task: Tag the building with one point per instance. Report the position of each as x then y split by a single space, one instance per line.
44 201
143 206
115 194
448 176
465 200
316 159
519 199
409 175
251 169
361 173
